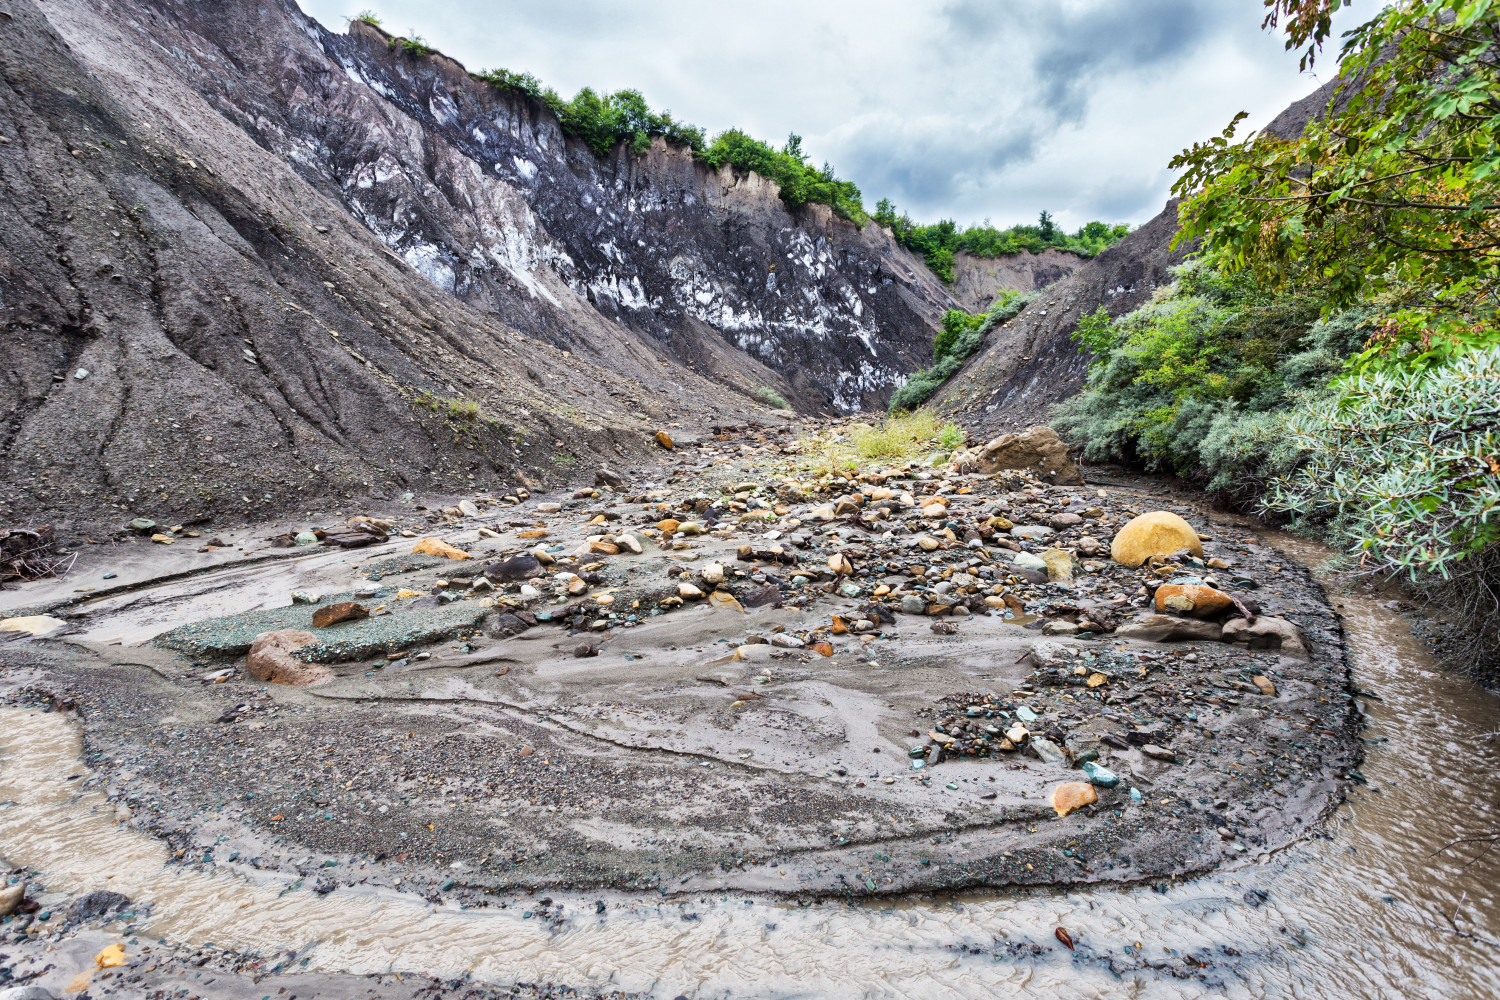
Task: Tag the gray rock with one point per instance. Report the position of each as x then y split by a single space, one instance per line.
1026 560
1032 531
1048 752
1267 633
25 993
1166 628
912 604
98 903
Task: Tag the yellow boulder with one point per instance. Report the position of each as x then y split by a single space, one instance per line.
1159 533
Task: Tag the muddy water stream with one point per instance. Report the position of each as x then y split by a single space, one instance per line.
1366 911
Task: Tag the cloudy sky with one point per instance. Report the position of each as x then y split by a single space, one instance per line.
970 109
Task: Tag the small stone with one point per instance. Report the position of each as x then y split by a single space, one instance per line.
10 898
688 591
438 547
713 573
1032 531
468 508
1072 795
629 543
306 538
1064 520
334 614
548 508
270 659
1168 628
911 604
1159 753
1060 628
143 526
520 567
1267 633
786 641
306 597
668 525
1049 752
1060 565
1195 600
928 544
161 538
35 624
665 440
724 599
1100 775
1264 683
1026 560
690 528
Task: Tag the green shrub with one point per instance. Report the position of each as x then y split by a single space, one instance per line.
368 17
1201 381
771 397
413 45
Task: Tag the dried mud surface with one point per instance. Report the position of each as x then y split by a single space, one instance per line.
690 753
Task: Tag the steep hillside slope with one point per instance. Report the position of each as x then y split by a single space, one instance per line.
480 191
188 327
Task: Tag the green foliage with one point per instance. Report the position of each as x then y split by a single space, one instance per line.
413 45
800 181
1405 463
605 120
1201 380
368 17
955 322
772 398
951 436
1392 196
938 242
949 353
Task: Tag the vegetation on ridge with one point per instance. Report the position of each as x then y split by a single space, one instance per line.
938 242
962 335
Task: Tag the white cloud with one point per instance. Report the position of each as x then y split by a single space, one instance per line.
972 109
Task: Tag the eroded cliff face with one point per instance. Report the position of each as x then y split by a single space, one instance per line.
978 280
481 193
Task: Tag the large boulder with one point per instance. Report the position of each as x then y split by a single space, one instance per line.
1267 633
1159 533
270 659
1036 449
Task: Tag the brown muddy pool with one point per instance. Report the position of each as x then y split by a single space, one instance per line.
1371 906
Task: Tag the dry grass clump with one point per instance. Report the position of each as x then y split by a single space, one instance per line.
900 437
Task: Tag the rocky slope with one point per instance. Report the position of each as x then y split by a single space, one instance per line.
480 191
249 263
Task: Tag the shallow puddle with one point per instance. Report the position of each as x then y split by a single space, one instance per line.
1366 912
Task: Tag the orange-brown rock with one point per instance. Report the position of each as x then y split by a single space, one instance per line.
665 440
1192 599
438 547
1036 449
1071 795
270 659
344 611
